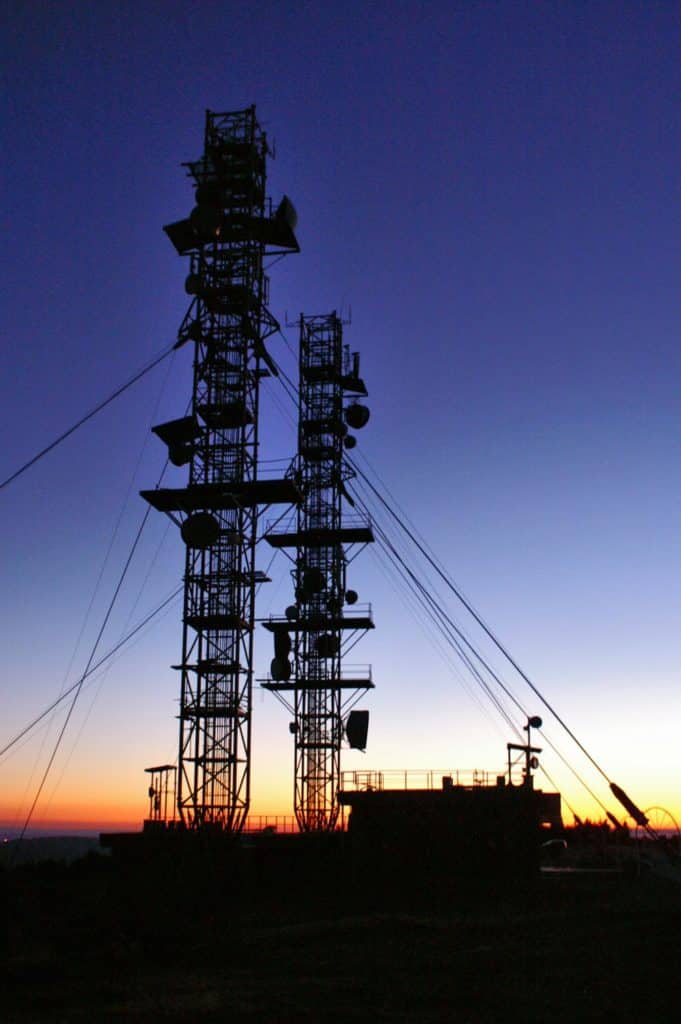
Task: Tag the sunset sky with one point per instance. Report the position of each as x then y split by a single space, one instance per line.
491 190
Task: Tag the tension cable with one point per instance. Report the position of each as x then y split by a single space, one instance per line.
88 416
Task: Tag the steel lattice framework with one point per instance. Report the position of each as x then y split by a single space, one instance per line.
321 624
226 236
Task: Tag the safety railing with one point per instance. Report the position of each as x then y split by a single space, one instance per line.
279 823
414 778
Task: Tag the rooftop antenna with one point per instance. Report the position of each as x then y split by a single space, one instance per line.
530 752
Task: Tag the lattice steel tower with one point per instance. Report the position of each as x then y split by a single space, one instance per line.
227 235
325 619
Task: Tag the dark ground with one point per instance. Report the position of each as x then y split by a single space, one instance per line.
88 943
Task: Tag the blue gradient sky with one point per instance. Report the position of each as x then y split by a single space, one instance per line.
493 189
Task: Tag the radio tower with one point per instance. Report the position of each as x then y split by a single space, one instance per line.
229 232
325 620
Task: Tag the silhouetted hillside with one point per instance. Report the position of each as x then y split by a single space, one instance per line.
63 849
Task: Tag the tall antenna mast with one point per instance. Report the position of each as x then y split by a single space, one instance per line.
226 236
325 619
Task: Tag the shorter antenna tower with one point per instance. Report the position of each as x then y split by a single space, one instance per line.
310 641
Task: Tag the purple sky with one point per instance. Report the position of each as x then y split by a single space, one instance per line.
493 189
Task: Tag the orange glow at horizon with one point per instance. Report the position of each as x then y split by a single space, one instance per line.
115 812
103 788
127 812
